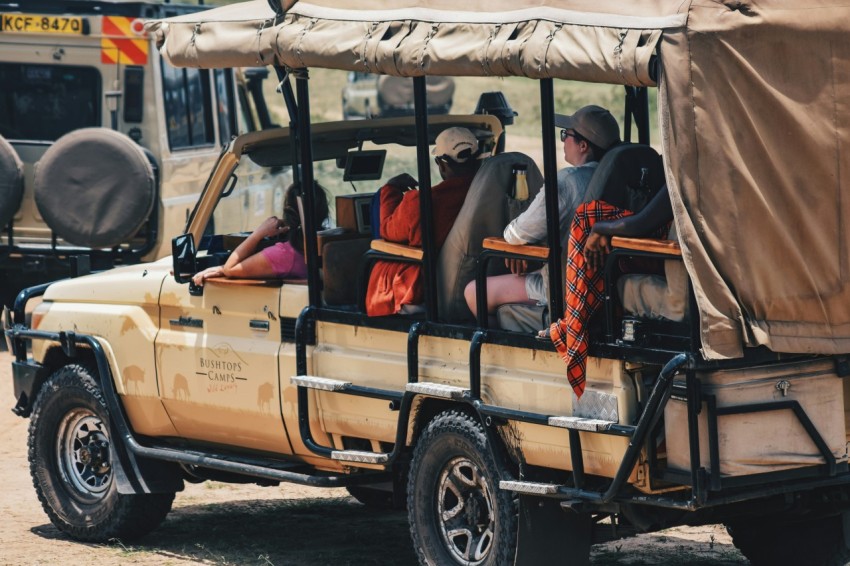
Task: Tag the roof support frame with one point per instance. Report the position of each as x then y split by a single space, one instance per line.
423 163
550 186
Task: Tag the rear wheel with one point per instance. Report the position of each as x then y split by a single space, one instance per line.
817 542
457 513
71 463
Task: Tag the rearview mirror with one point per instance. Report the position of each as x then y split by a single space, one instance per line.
183 258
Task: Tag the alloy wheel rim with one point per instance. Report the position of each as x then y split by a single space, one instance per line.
83 454
465 511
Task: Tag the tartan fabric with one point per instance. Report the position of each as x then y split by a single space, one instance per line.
584 292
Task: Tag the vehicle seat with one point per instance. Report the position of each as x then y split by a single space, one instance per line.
628 176
656 297
488 208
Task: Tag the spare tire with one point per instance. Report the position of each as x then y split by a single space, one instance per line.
95 187
11 182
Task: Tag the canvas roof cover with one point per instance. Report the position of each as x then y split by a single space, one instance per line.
753 105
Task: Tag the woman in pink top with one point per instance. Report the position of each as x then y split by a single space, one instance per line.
284 259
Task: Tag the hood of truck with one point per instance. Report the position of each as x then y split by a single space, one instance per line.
133 284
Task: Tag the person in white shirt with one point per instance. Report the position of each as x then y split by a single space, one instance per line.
586 135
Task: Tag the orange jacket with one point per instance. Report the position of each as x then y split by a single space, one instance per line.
393 284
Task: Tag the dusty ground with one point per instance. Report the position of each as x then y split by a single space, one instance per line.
216 523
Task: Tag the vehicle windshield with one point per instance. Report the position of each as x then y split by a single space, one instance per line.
35 99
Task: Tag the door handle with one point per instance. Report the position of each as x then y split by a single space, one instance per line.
187 321
259 325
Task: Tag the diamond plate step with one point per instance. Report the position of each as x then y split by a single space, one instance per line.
437 390
360 456
529 487
580 423
323 383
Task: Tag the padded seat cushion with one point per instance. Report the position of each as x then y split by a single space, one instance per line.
341 259
488 208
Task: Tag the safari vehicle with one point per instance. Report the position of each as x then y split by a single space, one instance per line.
104 147
137 381
366 95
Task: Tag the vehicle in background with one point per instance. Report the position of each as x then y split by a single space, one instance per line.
366 95
104 147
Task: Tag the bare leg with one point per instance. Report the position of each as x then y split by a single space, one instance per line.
501 289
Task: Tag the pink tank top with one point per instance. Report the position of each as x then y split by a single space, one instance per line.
286 261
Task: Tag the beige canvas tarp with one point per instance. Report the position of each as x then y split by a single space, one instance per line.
753 104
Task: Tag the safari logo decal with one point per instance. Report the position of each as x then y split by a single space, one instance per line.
222 367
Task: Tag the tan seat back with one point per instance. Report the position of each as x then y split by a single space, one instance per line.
488 208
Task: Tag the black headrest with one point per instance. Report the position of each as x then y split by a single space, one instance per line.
627 177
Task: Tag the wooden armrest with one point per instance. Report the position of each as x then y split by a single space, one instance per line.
226 281
666 247
397 249
501 245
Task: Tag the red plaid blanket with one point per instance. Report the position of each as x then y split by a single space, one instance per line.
584 292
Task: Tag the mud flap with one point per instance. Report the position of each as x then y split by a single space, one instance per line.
135 475
547 534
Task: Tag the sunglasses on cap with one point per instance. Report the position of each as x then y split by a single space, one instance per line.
566 134
462 157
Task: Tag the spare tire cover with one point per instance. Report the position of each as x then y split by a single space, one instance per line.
398 91
11 182
94 187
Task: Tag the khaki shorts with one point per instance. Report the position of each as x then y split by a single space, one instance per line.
537 286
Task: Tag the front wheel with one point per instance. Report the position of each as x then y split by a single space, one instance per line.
71 463
456 511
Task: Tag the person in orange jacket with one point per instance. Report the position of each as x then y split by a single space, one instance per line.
396 287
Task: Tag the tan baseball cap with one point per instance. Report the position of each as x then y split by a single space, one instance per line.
594 123
458 144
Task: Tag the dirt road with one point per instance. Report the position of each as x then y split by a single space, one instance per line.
215 523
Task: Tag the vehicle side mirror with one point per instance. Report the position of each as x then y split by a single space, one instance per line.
183 255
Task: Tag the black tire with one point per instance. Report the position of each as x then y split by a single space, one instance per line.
818 542
11 182
70 463
457 513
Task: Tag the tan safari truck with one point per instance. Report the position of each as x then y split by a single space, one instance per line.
136 381
104 147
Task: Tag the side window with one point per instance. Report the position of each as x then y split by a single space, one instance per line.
45 102
188 107
225 104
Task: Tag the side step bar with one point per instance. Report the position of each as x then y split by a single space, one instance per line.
320 383
582 423
437 390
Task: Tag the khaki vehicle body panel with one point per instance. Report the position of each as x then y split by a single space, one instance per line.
514 378
220 381
120 308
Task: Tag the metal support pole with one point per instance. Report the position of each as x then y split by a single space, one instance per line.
423 163
550 175
305 148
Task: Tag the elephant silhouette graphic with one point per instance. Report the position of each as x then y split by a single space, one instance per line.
180 388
